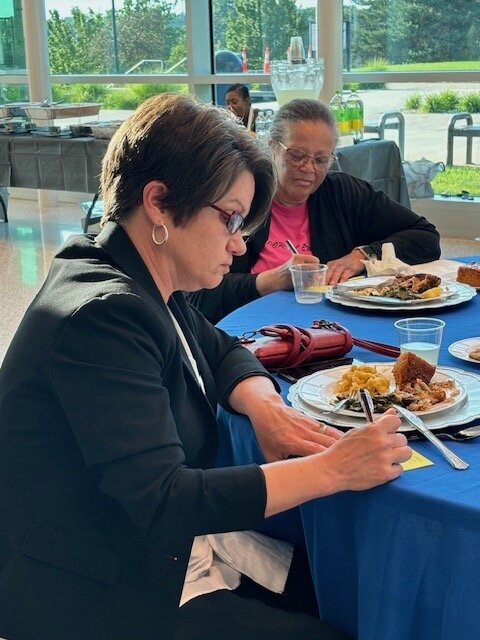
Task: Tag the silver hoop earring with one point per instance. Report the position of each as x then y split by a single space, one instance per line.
165 233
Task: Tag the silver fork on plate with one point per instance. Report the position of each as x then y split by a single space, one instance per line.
340 404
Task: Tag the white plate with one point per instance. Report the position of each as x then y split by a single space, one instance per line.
462 348
318 389
452 276
466 412
343 290
458 293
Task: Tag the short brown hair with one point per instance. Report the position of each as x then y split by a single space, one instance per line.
196 150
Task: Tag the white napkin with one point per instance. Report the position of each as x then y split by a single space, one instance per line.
446 269
389 264
263 559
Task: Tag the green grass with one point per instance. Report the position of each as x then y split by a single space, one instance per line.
454 180
457 65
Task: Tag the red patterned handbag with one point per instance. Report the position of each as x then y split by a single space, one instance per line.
280 346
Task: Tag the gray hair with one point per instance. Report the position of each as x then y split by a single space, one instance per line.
195 149
301 110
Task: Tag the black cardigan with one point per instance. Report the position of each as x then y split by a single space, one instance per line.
343 212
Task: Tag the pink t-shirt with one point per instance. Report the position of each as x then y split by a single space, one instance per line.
286 223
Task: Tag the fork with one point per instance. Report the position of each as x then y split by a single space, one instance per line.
339 405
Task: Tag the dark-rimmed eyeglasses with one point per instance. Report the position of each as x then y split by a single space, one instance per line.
297 158
234 221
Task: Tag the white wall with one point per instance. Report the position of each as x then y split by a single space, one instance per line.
454 218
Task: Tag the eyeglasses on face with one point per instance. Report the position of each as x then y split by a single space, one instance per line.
297 158
234 221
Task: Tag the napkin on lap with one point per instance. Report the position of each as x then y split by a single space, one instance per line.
389 265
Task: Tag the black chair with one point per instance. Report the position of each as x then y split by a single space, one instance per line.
377 162
4 202
90 208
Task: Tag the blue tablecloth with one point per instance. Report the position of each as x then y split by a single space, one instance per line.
401 561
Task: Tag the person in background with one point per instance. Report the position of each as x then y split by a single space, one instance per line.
237 99
330 217
115 523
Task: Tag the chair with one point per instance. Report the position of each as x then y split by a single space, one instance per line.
389 120
377 162
93 214
468 131
3 206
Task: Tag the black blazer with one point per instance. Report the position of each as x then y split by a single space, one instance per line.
107 447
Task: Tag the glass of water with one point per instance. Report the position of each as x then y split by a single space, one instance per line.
422 336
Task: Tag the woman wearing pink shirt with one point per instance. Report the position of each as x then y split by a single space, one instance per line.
329 216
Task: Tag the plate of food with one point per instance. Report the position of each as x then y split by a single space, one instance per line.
464 412
401 292
398 290
467 349
410 382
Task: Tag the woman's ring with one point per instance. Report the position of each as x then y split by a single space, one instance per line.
322 429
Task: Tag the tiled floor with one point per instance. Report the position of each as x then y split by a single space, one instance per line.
31 237
27 244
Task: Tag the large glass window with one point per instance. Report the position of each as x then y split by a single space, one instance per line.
248 34
401 35
120 38
426 56
116 36
12 49
249 27
420 58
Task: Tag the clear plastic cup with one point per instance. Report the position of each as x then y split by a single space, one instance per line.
308 282
422 336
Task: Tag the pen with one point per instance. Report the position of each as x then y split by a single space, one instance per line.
291 246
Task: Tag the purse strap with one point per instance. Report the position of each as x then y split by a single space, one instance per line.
377 347
301 340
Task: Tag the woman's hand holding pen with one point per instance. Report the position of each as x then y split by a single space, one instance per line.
279 278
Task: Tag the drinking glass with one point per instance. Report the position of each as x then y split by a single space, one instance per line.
422 336
308 282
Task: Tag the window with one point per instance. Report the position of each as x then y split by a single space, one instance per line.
110 36
247 35
118 52
12 50
420 58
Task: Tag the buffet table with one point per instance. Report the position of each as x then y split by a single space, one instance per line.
40 162
398 562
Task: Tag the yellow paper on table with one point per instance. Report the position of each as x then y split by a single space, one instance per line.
416 462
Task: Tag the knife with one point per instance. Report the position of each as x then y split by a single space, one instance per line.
453 459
